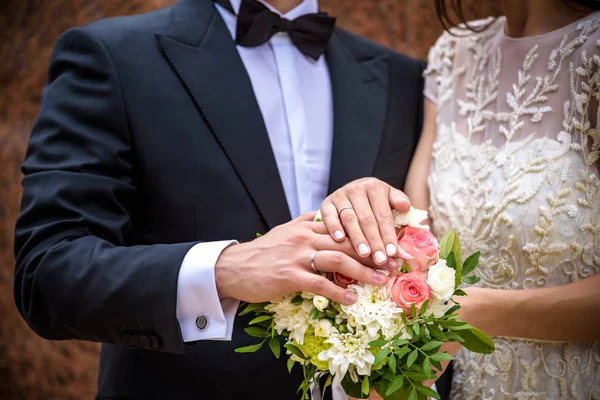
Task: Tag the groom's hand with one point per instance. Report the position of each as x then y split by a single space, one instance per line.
279 263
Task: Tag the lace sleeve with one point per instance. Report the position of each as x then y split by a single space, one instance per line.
435 67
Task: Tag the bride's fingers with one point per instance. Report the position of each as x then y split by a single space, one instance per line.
368 223
385 220
329 214
349 218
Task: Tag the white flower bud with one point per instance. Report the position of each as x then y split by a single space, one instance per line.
440 279
323 328
320 302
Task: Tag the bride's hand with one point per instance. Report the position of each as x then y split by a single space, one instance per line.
362 210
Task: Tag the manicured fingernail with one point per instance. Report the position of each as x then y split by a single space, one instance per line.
390 249
350 298
379 276
392 264
363 249
379 257
339 235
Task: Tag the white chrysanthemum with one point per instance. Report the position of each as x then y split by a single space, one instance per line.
324 328
307 295
373 309
290 317
413 218
437 308
348 350
440 279
320 302
395 327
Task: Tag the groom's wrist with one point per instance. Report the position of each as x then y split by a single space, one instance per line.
227 270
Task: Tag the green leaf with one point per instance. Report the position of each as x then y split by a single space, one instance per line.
295 350
453 337
297 300
413 311
315 313
413 394
427 391
470 263
431 345
252 307
459 292
260 319
381 355
378 343
441 357
453 309
424 307
404 320
476 341
249 349
427 366
258 235
409 331
400 342
412 357
392 362
290 365
450 243
417 328
401 352
436 332
366 388
471 279
326 385
275 346
331 314
353 389
460 327
255 331
395 385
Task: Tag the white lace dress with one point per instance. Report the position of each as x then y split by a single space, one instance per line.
515 172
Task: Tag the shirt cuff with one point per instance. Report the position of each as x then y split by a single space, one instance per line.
200 312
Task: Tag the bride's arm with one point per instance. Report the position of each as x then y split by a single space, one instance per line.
416 181
563 313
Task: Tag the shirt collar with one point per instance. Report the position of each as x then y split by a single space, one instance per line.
306 7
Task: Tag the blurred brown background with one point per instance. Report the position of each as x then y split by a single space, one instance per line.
30 367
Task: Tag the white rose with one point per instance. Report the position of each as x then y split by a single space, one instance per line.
413 218
440 279
323 328
320 302
438 309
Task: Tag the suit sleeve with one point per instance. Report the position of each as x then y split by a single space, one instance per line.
75 275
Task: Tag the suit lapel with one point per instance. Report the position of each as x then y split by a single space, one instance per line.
359 106
201 51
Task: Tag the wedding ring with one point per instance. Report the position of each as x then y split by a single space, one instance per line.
312 261
345 208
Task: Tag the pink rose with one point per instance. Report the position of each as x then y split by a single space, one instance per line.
408 288
340 279
418 247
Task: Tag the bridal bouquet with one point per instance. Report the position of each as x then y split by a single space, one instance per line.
390 339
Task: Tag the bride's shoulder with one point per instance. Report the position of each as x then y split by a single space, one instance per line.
460 36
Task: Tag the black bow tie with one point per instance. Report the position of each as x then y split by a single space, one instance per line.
256 24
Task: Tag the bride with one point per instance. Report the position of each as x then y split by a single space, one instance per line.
509 158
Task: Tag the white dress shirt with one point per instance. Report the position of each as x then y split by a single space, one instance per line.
294 95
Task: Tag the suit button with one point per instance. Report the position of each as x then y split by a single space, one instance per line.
154 343
201 322
145 342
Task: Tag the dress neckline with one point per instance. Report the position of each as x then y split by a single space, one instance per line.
559 31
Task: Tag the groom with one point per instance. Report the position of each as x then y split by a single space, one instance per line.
165 139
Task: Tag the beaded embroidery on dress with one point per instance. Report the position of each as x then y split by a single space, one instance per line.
515 171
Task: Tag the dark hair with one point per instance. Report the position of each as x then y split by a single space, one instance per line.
445 8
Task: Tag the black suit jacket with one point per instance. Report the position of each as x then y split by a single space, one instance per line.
149 140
